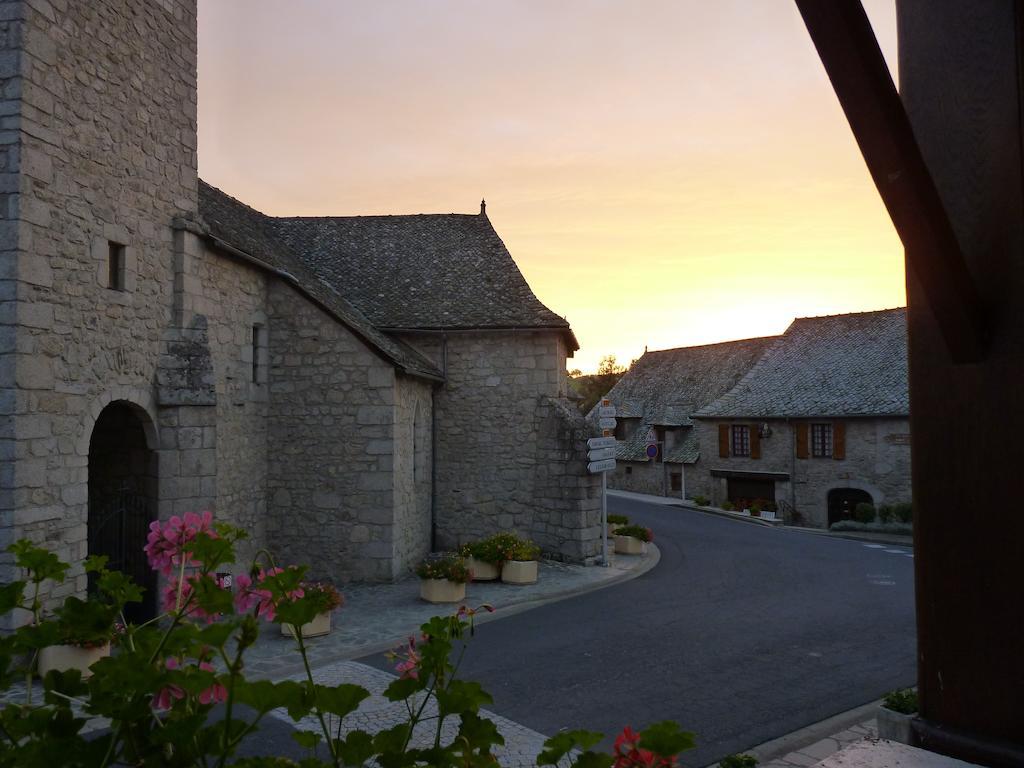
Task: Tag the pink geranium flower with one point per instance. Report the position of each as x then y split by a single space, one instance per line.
170 601
628 754
251 594
165 698
408 660
166 543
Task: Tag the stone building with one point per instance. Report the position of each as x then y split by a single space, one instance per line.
817 422
352 391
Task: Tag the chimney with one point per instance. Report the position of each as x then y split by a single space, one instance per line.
483 207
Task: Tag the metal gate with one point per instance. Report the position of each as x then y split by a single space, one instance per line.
118 525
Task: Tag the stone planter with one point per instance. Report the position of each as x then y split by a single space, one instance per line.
65 657
519 572
482 570
442 591
320 625
628 545
895 726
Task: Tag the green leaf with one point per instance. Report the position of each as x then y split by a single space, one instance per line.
479 733
212 598
42 563
355 749
263 696
593 760
307 739
666 739
96 563
390 740
119 588
340 700
559 745
462 696
402 688
11 596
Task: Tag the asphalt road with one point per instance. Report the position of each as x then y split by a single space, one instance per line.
742 633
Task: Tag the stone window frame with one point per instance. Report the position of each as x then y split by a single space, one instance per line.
739 440
822 440
255 354
101 248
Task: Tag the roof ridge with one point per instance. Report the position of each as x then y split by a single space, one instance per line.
851 314
333 217
713 344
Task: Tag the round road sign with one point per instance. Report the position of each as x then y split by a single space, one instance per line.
652 451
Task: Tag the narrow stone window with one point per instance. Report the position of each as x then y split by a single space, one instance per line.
115 266
257 342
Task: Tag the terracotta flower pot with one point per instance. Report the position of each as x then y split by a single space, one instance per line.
628 545
482 570
320 625
442 591
519 572
65 657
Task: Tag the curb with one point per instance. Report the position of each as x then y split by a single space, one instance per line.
877 538
649 561
804 737
729 515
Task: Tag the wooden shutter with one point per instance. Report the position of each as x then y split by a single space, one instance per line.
839 440
755 442
723 441
801 441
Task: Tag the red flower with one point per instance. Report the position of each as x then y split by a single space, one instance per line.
249 594
628 754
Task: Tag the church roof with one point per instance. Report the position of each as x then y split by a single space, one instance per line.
245 229
837 365
426 271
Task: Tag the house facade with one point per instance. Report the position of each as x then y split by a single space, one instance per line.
817 423
165 348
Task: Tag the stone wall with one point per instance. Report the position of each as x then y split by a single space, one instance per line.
511 452
877 461
412 466
331 424
647 477
100 108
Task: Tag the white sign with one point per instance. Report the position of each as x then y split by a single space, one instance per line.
601 442
600 454
601 466
606 423
606 411
652 438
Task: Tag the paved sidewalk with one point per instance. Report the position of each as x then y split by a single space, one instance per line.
377 617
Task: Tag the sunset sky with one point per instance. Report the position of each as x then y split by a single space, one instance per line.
665 173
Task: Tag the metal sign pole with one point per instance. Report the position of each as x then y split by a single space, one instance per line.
604 519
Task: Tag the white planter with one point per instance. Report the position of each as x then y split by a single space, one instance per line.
320 625
65 657
895 726
519 572
482 570
442 591
628 545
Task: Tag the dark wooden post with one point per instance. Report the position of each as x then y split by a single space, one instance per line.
953 186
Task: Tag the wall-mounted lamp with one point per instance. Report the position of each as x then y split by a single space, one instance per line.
764 430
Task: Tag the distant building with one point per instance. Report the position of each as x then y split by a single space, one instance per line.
817 420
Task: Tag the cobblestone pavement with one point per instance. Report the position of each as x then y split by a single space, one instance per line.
376 617
819 750
376 713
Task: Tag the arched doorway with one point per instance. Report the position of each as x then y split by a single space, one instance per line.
122 496
842 502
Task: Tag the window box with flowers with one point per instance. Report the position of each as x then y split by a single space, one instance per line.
327 599
632 539
443 580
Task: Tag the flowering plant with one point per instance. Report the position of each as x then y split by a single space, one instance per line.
618 520
323 595
636 531
524 550
157 695
451 567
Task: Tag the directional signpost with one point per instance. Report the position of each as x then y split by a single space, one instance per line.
601 455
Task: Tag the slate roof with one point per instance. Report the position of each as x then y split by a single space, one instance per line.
246 229
837 365
428 271
665 387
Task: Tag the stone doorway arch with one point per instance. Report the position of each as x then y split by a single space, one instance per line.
123 495
842 502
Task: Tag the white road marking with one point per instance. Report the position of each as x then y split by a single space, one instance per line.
875 546
896 551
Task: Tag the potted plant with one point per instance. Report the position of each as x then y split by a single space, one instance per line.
443 579
484 558
326 598
755 509
898 709
632 540
728 506
521 566
614 521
